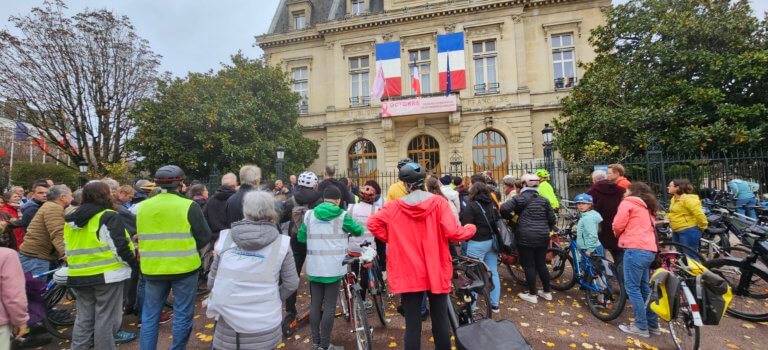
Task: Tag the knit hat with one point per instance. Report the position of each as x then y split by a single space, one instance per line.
446 179
331 192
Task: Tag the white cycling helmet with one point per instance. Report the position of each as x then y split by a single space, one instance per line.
307 179
531 179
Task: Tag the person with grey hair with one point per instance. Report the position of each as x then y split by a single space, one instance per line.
253 247
250 178
606 197
44 241
229 179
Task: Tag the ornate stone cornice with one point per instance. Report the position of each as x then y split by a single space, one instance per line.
393 17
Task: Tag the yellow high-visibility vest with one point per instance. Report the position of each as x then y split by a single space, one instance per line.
86 254
166 244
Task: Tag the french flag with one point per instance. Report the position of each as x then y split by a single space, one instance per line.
388 60
450 47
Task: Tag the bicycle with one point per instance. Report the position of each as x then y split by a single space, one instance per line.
683 310
470 293
747 277
352 304
58 322
598 278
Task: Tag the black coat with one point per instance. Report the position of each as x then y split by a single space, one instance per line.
536 218
607 196
473 215
346 196
215 210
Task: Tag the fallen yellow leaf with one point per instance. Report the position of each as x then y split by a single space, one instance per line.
209 326
587 346
562 332
580 316
523 324
731 346
431 339
572 345
392 345
281 345
748 325
584 334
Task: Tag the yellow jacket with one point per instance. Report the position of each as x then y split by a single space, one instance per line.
396 191
686 212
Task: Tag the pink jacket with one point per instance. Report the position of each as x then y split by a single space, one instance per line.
633 225
417 229
13 297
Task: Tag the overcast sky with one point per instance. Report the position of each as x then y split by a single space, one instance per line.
194 35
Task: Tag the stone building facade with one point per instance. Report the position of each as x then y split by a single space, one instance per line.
521 57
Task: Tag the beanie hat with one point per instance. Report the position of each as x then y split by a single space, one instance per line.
331 192
446 180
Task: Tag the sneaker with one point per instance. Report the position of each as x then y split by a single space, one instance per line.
654 331
632 329
368 304
164 318
529 298
495 309
546 296
122 337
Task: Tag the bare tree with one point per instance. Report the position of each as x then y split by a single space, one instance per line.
78 78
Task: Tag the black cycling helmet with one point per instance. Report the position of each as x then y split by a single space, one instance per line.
169 176
412 174
403 161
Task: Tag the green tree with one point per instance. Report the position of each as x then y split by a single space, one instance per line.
692 74
238 115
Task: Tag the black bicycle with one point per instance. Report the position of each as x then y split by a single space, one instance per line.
470 298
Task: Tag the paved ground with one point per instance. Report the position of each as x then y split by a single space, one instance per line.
564 323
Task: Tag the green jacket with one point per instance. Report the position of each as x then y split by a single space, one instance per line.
327 211
586 230
546 191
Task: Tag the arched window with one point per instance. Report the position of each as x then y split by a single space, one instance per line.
425 150
489 152
362 161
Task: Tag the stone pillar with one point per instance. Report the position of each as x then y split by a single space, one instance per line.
520 52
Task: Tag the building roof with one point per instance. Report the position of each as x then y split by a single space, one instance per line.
322 11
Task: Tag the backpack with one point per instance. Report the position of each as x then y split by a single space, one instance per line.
297 217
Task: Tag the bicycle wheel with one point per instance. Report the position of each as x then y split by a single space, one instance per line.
562 275
749 287
60 317
482 305
363 332
608 303
517 273
685 334
377 293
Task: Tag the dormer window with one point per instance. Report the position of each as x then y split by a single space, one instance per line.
299 20
358 7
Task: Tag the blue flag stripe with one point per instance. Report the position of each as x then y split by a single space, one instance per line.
388 51
450 42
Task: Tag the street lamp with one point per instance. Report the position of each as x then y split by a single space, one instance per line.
279 164
83 167
549 147
455 161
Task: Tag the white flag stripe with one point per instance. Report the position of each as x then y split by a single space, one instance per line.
391 68
457 61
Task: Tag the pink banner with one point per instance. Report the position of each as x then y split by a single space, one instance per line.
421 105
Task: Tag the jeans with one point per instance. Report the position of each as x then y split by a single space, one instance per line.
636 282
441 327
742 203
35 266
599 251
689 237
155 295
483 250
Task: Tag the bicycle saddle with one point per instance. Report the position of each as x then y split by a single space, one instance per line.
475 286
716 230
349 260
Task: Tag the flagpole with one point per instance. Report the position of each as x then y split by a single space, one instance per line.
10 164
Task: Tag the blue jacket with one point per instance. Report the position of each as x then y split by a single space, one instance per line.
741 189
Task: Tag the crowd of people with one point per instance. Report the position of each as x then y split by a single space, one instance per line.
127 247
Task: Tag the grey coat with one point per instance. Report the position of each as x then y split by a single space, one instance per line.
249 235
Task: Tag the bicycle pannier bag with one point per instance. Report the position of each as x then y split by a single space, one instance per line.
713 295
489 334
